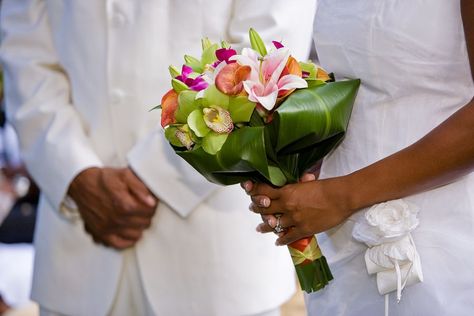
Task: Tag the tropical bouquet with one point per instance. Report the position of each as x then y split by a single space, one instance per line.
259 115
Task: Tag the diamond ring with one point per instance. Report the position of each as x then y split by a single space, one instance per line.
278 228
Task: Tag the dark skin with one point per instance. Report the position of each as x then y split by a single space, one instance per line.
115 205
316 206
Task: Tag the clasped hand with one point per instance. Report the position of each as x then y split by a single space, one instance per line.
304 208
115 205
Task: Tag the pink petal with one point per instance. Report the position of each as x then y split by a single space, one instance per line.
268 101
289 82
274 64
277 44
198 84
250 88
223 54
186 71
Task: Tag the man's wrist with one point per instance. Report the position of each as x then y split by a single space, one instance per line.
81 181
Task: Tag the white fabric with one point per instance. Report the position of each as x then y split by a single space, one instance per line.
81 77
16 269
130 298
412 60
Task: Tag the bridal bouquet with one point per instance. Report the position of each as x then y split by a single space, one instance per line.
259 115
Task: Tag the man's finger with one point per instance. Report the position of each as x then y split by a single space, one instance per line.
129 234
131 221
139 189
117 242
129 206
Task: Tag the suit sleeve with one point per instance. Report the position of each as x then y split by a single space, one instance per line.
171 178
53 138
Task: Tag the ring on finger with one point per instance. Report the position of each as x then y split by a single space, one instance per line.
278 228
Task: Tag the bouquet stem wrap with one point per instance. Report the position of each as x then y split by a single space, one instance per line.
310 264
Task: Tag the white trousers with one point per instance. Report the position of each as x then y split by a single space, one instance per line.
131 298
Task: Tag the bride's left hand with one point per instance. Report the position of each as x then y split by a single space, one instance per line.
306 208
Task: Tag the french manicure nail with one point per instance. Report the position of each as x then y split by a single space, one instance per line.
247 186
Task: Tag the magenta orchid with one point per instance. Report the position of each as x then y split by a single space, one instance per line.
224 54
195 84
277 44
266 79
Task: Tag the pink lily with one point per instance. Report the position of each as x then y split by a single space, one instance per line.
266 79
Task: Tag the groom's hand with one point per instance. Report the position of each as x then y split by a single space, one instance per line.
115 205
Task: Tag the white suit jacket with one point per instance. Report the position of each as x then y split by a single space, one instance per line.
81 76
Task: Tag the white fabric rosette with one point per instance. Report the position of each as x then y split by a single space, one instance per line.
385 228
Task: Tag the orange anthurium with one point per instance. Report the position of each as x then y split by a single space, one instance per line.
322 75
229 79
169 105
292 67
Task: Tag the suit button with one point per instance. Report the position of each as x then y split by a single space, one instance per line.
117 96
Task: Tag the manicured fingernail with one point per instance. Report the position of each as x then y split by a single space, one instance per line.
271 222
247 186
265 202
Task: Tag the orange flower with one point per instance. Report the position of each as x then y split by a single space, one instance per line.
229 79
292 67
321 74
169 105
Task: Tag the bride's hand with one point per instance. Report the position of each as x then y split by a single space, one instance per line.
306 208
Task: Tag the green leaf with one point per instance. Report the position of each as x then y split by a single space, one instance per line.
276 176
174 72
170 134
241 109
257 43
224 44
310 68
311 115
197 124
256 119
209 55
194 63
178 86
213 142
206 43
212 96
186 104
158 107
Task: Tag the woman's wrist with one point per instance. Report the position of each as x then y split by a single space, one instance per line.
355 192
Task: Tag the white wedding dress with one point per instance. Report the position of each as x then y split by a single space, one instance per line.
411 58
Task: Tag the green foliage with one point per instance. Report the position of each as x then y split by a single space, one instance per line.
257 43
306 127
186 104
